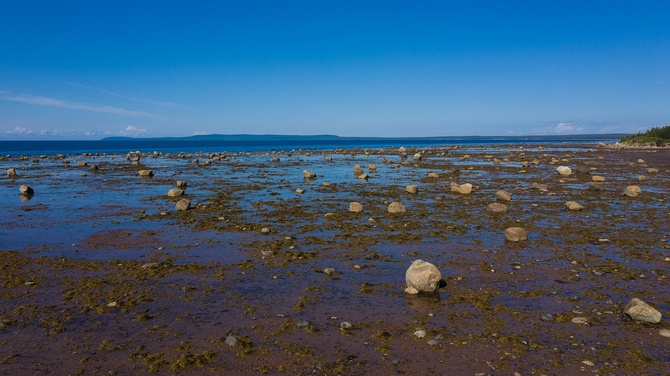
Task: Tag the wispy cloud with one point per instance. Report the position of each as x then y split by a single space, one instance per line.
129 97
567 128
54 102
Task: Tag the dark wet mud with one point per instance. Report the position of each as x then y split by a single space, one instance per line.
101 275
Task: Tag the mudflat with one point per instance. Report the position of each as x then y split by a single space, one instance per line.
273 270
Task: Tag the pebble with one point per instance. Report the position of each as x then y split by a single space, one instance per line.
580 320
346 325
302 324
420 333
231 341
547 317
664 332
433 342
329 271
588 363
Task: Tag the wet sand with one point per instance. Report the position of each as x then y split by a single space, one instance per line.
101 275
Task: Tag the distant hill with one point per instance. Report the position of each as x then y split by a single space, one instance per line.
273 137
657 136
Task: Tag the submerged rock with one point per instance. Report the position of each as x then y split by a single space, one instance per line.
571 205
638 310
412 188
502 195
175 192
433 175
183 205
496 208
539 186
397 207
515 234
422 276
632 191
355 207
308 174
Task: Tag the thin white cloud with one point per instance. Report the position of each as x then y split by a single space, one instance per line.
19 130
53 102
132 128
135 99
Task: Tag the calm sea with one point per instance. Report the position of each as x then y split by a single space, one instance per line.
26 148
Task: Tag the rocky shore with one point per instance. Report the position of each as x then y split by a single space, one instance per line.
544 260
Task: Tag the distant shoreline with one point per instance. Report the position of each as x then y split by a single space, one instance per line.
328 137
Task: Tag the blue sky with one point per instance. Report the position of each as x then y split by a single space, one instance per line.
92 69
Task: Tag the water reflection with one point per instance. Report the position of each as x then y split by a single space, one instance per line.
423 302
26 197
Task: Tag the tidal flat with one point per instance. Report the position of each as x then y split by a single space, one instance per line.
100 274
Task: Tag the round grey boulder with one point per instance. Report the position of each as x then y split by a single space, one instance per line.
422 276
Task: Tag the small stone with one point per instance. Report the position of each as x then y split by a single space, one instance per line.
358 170
595 186
300 191
433 175
346 325
329 271
632 191
463 189
181 184
230 341
642 178
652 170
420 333
664 332
397 207
183 205
539 186
496 208
571 205
638 310
175 192
112 304
547 317
355 207
598 178
580 321
502 195
302 324
265 230
363 176
433 342
640 161
564 171
150 265
26 190
146 173
515 234
417 157
308 174
588 363
11 172
412 189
